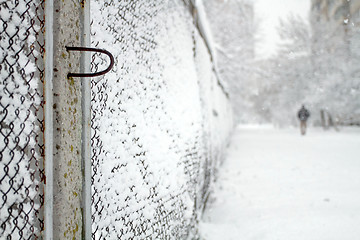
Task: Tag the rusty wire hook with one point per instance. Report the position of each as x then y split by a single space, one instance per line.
87 49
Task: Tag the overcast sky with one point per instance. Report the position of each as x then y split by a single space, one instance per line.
269 12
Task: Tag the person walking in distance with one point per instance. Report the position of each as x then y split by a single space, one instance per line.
303 115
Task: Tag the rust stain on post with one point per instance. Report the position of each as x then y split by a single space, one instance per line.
82 3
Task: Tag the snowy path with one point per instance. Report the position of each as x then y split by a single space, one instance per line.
276 184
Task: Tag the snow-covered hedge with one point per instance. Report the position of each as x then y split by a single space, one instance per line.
160 121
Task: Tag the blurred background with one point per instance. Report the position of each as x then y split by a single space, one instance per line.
278 55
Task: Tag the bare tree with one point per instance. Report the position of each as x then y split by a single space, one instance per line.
232 23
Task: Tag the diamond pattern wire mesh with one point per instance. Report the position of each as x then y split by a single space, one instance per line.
22 176
21 116
134 27
167 209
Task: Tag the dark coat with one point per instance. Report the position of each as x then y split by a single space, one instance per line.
303 114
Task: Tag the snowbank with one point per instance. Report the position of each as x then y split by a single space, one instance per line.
278 184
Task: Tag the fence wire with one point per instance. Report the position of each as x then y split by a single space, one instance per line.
130 199
21 116
141 188
153 152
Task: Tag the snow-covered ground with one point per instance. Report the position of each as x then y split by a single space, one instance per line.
277 184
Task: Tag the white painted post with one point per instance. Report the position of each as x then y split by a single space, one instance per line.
48 115
67 122
86 127
67 189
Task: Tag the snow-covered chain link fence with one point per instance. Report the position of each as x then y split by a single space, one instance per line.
160 121
154 118
21 140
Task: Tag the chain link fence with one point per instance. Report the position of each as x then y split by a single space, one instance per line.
136 207
154 151
21 117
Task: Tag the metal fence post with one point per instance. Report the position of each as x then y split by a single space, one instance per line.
67 122
48 115
86 118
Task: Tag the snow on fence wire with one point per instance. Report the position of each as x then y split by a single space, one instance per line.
159 121
21 116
